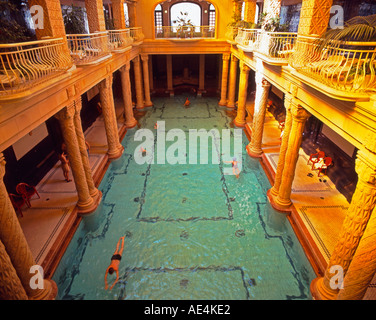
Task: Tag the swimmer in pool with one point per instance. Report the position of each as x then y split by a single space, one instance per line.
115 261
235 168
143 151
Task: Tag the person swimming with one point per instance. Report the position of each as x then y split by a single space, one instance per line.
235 168
115 261
143 151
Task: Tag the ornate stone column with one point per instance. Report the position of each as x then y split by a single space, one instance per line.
363 265
14 241
115 149
10 285
170 87
53 23
85 202
95 15
314 17
261 99
272 8
225 66
299 118
132 14
249 10
118 14
93 191
242 96
232 84
362 204
145 65
282 151
201 83
130 120
138 83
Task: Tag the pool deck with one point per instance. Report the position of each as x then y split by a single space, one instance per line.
317 213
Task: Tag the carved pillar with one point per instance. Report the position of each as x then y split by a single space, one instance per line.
132 14
242 96
225 58
118 14
130 120
282 151
16 246
95 15
10 285
170 88
363 265
201 84
314 17
272 8
115 149
232 84
261 99
299 118
362 204
93 191
145 65
85 202
138 83
53 24
249 10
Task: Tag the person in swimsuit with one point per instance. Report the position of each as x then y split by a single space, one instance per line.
235 168
65 166
187 103
115 261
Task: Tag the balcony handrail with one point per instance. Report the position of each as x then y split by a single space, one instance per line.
345 66
31 63
89 48
185 32
119 39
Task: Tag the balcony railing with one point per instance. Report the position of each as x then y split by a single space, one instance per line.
119 40
87 49
136 34
349 67
27 64
273 47
186 33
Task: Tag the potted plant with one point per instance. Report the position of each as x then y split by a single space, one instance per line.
184 25
73 20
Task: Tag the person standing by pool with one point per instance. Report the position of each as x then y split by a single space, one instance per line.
115 261
187 103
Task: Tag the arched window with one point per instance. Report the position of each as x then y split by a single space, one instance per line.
158 18
211 17
185 12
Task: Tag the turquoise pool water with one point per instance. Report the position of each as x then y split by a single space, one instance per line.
191 230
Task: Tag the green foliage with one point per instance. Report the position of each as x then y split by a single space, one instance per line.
271 24
74 20
356 29
11 31
184 24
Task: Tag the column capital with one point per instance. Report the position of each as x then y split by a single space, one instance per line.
126 67
233 58
106 83
136 59
2 166
365 169
244 68
144 57
226 56
299 114
66 114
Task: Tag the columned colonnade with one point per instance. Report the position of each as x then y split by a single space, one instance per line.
354 251
15 255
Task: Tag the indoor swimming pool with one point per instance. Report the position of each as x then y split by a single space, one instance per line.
191 231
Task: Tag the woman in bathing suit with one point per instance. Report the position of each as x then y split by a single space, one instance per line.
115 261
